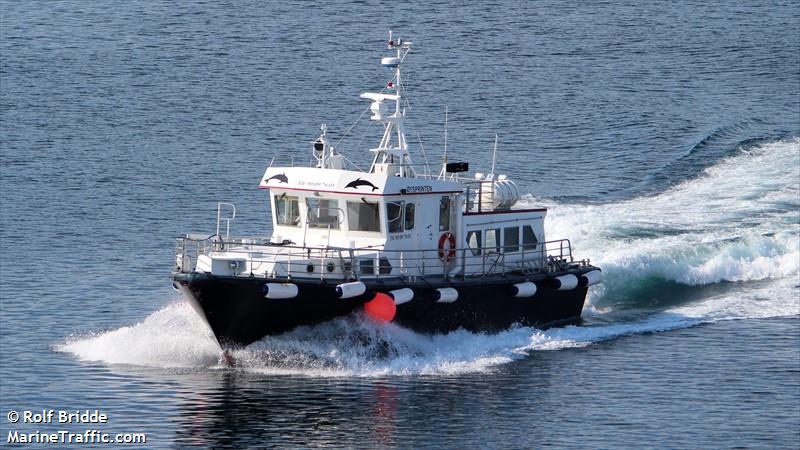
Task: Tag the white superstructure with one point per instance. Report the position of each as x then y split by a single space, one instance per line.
388 221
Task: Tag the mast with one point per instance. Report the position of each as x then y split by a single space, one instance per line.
443 173
494 153
388 157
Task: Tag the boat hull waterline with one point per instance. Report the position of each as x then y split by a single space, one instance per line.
238 312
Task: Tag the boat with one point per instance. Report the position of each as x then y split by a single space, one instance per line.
429 250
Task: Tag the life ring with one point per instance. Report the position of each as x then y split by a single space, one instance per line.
450 253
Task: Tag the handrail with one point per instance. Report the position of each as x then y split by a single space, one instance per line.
226 219
373 261
253 241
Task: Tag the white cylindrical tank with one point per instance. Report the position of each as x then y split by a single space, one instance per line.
280 290
515 195
485 197
349 290
500 194
507 193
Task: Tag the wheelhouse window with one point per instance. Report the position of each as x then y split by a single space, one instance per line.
493 240
408 222
287 211
511 239
444 214
323 213
474 242
394 216
529 240
363 216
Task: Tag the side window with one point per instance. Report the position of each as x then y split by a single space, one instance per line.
409 217
511 239
529 240
493 240
323 213
474 242
287 211
394 216
444 214
363 216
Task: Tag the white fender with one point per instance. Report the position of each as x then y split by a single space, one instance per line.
445 295
565 282
401 296
349 290
523 290
280 290
590 278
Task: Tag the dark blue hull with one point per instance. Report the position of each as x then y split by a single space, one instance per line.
238 312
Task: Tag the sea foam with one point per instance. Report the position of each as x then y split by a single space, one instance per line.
739 221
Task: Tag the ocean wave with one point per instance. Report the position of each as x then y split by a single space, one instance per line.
176 338
738 222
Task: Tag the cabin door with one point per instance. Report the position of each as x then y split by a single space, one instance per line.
403 231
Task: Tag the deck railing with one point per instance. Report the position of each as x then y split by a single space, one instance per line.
263 258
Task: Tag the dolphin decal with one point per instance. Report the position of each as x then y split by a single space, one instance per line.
281 177
359 182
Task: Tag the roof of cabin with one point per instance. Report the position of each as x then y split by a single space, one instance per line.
352 182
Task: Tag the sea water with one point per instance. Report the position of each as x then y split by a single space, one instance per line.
663 139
